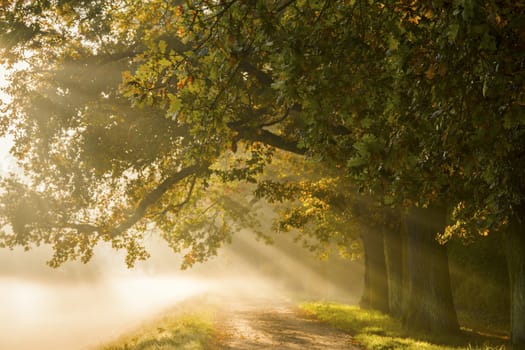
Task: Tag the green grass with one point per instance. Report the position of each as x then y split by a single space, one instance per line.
376 331
193 326
176 329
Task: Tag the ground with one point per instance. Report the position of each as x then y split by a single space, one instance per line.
259 323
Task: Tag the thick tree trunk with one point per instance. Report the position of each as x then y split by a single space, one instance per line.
375 293
395 263
515 251
429 301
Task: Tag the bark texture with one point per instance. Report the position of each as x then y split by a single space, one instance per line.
429 301
375 293
515 251
394 241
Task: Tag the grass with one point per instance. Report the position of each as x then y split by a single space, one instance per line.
193 326
376 331
179 329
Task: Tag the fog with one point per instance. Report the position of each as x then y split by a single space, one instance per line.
78 306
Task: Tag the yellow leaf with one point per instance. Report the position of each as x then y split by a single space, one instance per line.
430 73
414 19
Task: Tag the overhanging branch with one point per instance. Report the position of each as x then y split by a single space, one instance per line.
85 228
184 201
268 138
150 199
154 196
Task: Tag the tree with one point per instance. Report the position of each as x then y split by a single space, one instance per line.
417 133
95 167
124 151
421 103
467 63
74 137
222 72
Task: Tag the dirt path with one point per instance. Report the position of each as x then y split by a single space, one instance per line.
267 324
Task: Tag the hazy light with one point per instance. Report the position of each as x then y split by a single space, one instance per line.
4 98
6 161
155 292
2 76
60 316
77 306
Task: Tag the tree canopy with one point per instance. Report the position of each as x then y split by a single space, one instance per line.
129 111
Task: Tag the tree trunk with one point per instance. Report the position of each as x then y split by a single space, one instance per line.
375 293
395 263
515 251
429 301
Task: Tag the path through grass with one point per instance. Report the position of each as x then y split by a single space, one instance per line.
221 323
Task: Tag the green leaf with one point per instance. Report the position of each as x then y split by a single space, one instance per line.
367 122
356 162
453 31
175 104
488 42
393 43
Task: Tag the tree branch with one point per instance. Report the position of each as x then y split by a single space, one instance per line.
277 121
153 196
267 137
264 79
85 228
283 6
183 202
